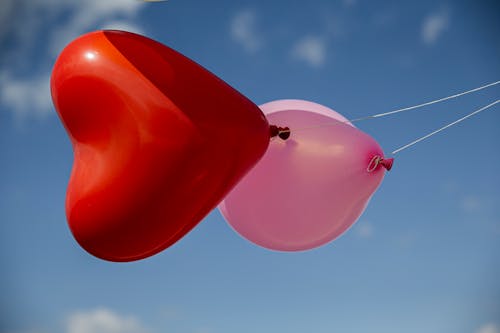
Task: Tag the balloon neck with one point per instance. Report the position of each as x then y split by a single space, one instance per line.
282 132
377 161
387 163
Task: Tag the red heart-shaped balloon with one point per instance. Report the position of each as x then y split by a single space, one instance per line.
158 141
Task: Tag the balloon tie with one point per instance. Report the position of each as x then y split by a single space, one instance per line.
378 160
282 132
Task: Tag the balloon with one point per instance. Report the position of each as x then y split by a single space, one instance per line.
158 142
310 188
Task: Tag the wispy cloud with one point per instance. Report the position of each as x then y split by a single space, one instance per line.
365 230
25 96
471 204
407 239
123 25
89 14
488 328
311 50
102 320
434 25
349 3
244 30
25 65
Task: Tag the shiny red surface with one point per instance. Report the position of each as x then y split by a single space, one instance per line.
158 142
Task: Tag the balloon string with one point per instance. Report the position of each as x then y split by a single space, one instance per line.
426 103
444 127
403 109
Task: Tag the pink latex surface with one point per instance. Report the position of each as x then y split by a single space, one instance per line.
309 189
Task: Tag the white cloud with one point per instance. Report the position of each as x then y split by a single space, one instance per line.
365 230
488 328
244 30
471 204
25 96
91 14
311 50
349 3
434 25
30 23
123 25
407 239
102 321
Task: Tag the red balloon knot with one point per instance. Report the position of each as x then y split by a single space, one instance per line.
282 132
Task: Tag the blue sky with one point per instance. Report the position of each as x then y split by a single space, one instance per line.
425 255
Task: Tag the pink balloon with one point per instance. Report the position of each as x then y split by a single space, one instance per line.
309 189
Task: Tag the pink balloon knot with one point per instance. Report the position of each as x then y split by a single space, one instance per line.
282 132
387 163
377 160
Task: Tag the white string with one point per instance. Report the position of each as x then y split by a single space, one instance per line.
427 103
419 106
403 109
444 127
